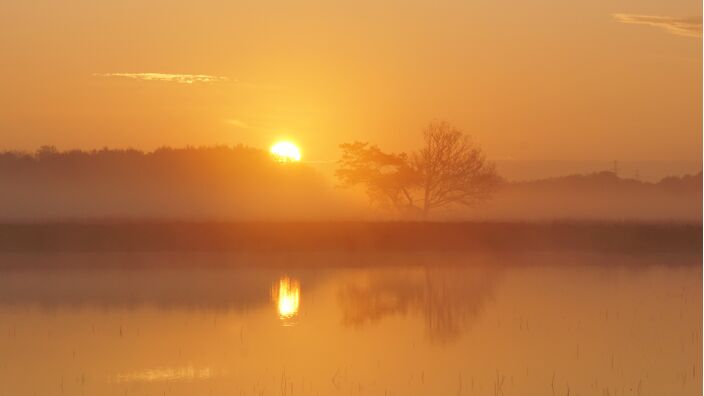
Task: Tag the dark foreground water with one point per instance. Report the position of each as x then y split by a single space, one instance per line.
99 324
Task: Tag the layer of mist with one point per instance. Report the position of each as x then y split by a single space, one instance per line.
244 184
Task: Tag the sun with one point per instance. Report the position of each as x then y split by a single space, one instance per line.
286 152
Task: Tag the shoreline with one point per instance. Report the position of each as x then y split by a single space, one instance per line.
351 237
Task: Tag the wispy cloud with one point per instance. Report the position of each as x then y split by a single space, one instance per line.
690 27
177 78
237 123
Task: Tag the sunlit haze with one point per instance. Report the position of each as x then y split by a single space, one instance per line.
286 152
311 197
553 80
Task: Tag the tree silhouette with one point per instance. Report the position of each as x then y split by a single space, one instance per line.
388 178
454 170
450 169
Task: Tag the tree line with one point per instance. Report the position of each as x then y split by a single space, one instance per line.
448 171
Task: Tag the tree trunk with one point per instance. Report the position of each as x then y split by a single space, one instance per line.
426 198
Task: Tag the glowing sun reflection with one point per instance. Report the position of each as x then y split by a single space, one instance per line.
287 295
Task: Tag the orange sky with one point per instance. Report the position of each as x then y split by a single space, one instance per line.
530 80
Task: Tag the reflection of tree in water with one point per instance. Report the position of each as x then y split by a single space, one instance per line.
449 299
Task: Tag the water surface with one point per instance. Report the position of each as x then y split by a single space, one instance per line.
541 325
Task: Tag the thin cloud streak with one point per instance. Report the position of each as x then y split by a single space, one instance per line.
237 123
177 78
689 27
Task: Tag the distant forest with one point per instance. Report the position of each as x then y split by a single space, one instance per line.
190 183
601 196
242 183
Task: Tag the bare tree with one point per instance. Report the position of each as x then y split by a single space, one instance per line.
449 170
453 169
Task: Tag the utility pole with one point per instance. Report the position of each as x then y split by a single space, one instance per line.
616 167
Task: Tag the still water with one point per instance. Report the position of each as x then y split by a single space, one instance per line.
543 325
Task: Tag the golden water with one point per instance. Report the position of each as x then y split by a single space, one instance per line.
552 327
